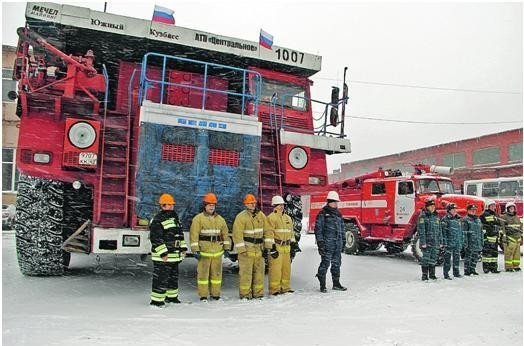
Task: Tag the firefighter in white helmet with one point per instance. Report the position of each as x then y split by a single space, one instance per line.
331 239
278 236
511 238
248 237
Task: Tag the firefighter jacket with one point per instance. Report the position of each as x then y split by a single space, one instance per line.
329 228
490 225
428 228
167 237
473 239
452 234
209 235
512 227
248 232
279 231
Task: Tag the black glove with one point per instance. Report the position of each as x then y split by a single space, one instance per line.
295 247
321 248
273 252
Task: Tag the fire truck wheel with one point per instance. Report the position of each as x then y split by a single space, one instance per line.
38 232
352 239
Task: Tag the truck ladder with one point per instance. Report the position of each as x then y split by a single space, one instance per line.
270 165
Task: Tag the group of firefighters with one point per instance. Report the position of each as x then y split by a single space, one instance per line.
256 237
478 236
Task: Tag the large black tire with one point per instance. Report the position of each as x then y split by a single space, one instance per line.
352 239
38 231
417 252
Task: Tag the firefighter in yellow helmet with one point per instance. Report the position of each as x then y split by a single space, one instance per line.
209 237
511 238
248 237
278 236
168 248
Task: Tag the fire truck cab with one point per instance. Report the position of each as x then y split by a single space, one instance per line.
381 208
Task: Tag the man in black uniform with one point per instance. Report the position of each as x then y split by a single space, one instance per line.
490 228
168 248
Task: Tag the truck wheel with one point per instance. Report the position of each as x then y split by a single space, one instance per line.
415 248
38 231
352 239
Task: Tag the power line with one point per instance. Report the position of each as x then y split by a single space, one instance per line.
425 87
435 122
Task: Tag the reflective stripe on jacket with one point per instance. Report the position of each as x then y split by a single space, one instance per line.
167 237
204 226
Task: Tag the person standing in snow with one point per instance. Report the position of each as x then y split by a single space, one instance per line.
490 229
512 238
278 237
331 239
209 237
248 237
453 239
473 240
430 237
168 248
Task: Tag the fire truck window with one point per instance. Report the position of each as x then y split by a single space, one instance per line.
405 188
290 94
471 190
427 185
508 188
490 189
378 189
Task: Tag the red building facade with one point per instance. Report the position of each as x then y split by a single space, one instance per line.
490 156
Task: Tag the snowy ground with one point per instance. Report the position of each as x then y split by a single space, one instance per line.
386 304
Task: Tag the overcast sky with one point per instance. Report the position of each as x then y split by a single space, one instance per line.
411 65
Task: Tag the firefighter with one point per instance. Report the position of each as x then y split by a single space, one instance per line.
430 236
490 228
453 238
209 237
168 248
511 238
248 237
278 236
473 239
331 239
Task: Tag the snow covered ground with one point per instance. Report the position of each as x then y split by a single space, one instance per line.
386 304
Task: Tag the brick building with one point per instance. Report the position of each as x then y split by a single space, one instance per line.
490 156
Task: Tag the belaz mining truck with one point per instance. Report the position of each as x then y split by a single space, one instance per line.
115 111
382 207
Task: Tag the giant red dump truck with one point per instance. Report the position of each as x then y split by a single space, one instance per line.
116 110
382 207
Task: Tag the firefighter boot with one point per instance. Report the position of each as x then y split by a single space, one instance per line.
322 281
337 286
424 273
432 273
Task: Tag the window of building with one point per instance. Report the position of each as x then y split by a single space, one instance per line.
515 152
428 161
9 172
486 156
378 188
8 84
455 160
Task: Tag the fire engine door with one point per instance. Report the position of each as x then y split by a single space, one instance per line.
404 202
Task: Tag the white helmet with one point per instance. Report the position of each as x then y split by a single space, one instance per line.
511 204
276 200
489 202
333 195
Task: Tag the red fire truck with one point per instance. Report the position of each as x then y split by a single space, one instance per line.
115 111
382 207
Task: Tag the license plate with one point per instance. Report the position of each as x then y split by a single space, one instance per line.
87 159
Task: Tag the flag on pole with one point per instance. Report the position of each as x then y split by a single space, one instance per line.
163 15
266 40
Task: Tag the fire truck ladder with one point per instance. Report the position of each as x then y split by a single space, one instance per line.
111 205
270 182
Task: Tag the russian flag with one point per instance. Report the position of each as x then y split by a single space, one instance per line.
163 15
266 40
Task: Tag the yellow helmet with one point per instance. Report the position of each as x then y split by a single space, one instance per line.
166 198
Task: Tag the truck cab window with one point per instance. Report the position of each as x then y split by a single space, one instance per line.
405 188
378 188
291 95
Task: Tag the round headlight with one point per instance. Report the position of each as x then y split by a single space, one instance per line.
298 158
82 135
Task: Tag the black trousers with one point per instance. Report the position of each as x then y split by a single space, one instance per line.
165 279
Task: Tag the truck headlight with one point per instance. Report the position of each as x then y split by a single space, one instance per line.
41 157
131 240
